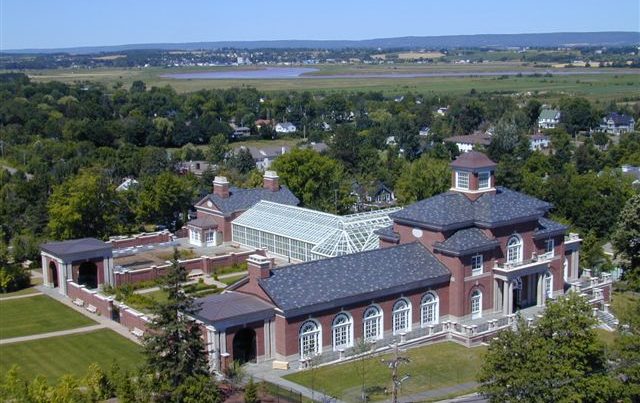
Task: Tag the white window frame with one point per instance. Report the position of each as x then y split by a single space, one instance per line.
401 314
476 304
372 321
310 334
480 180
459 175
514 249
211 236
429 309
549 246
342 331
548 285
477 265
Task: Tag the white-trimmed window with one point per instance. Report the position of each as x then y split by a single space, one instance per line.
401 316
476 304
342 332
310 339
514 249
195 235
476 265
549 244
372 323
462 180
211 236
429 309
548 285
484 180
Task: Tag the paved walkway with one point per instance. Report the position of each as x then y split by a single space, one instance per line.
436 393
85 329
105 322
21 296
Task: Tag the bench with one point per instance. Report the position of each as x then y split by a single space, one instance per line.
92 308
280 365
78 302
137 332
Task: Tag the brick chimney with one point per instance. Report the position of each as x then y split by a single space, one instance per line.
259 267
271 181
221 187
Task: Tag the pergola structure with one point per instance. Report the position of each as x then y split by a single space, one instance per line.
302 234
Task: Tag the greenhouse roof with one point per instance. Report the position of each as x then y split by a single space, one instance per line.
331 235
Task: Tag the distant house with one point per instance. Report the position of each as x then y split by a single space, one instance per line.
376 197
317 147
468 142
285 127
263 122
632 171
539 141
617 123
241 132
442 110
264 156
399 98
127 184
391 141
424 131
326 127
195 167
549 118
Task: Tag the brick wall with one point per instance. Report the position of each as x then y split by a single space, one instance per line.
103 305
141 239
132 319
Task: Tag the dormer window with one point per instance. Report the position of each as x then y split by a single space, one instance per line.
462 180
484 180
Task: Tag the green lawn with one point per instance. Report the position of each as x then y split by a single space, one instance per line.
431 367
38 314
622 301
233 279
56 356
25 291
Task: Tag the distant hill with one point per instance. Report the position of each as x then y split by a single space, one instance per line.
612 39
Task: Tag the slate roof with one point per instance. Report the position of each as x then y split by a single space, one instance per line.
76 249
387 233
466 241
548 228
329 283
453 210
473 160
243 199
203 222
232 308
619 119
482 139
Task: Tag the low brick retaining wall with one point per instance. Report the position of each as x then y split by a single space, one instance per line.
90 298
146 238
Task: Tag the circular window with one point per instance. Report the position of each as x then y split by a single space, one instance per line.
416 232
209 203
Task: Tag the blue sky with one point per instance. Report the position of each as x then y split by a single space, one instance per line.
67 23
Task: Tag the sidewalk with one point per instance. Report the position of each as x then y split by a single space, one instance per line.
20 296
85 329
105 322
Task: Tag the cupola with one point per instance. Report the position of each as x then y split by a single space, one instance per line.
473 174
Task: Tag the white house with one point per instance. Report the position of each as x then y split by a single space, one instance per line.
539 141
466 143
424 131
617 123
285 127
127 184
549 118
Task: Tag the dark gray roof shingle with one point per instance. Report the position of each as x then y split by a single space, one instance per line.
76 249
204 222
453 210
465 241
548 228
232 308
243 199
387 233
329 283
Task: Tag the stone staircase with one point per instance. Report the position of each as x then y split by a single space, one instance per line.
607 320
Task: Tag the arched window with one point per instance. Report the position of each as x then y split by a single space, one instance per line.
372 323
401 316
310 339
476 304
514 249
429 309
548 285
342 331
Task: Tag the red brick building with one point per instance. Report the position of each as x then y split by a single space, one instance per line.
455 266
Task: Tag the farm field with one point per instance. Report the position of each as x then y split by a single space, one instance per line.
607 84
71 354
430 367
37 314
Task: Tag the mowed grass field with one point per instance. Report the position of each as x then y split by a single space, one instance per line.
37 314
613 84
72 354
430 367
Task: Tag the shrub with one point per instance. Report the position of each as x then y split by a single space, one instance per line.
13 278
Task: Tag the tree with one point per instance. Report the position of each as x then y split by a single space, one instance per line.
559 359
242 161
626 351
425 177
83 206
163 198
316 179
251 392
218 149
174 349
626 239
577 114
508 139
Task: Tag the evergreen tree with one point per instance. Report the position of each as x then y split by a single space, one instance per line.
174 348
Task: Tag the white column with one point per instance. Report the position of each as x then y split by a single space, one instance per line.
540 290
107 265
505 297
63 269
214 359
45 272
510 294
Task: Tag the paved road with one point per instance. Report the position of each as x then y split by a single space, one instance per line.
85 329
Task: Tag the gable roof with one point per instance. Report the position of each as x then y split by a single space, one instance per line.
549 114
619 119
466 241
329 283
453 210
243 199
